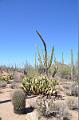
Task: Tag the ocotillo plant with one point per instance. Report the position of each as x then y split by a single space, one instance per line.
72 65
62 58
46 64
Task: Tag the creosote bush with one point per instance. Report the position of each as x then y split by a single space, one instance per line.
18 101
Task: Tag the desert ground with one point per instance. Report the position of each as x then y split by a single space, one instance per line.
6 107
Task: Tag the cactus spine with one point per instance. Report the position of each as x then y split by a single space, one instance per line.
46 64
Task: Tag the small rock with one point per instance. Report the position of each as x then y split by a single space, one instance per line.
32 116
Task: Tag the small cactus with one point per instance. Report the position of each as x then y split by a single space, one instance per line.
18 101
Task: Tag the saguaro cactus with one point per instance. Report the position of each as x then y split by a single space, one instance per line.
46 64
72 65
62 58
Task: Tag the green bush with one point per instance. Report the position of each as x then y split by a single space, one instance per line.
18 101
40 85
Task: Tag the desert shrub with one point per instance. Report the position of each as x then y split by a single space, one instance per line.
74 90
64 71
39 85
6 77
18 101
72 103
66 86
71 88
10 81
30 71
40 106
15 85
3 83
68 92
49 107
17 78
59 107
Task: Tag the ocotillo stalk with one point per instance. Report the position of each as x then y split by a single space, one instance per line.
72 65
55 68
39 57
46 64
45 48
50 63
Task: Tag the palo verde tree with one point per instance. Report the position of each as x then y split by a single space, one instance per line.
46 62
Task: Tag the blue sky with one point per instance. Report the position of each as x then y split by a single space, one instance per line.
56 20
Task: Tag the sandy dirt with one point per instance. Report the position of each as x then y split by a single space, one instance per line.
6 107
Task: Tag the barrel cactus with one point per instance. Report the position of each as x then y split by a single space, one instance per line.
18 101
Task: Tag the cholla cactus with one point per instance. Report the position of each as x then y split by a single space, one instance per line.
39 85
18 101
46 64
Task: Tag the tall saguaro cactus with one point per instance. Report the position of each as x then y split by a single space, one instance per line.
72 65
62 58
46 64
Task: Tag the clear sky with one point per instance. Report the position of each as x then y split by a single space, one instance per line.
56 20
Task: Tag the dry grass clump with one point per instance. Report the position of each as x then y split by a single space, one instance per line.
3 83
72 103
60 109
57 109
74 89
71 89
